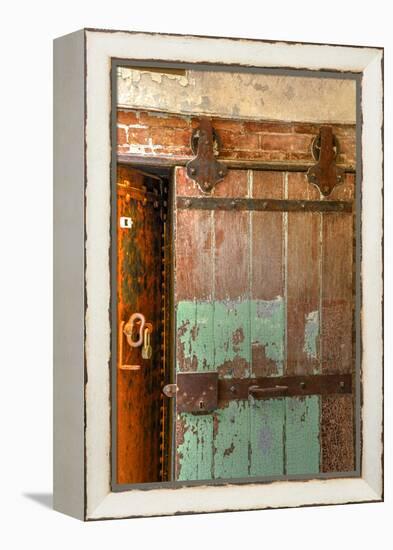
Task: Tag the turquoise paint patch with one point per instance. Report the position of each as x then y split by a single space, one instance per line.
302 447
232 332
195 334
311 335
267 424
268 328
216 333
196 452
231 440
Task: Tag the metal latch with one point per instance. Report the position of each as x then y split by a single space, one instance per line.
194 391
204 391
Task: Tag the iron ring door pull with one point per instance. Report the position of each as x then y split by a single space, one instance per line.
258 392
129 327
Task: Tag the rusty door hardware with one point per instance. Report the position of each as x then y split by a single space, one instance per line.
204 168
204 391
256 391
170 390
129 329
325 174
273 205
146 349
194 391
122 366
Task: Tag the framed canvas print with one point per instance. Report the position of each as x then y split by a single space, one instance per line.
218 274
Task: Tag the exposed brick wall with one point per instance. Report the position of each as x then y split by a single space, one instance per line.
148 133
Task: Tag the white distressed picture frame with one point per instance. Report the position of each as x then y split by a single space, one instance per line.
82 176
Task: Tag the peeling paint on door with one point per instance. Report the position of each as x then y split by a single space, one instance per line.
311 335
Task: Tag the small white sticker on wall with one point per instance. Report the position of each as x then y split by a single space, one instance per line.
125 223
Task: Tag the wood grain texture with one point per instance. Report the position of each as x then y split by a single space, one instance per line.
337 342
267 278
302 447
267 437
139 290
303 282
337 293
194 255
259 313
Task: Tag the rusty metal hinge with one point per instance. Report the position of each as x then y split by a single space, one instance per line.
204 168
325 174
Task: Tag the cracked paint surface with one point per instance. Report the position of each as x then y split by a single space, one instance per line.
246 437
219 335
232 94
311 335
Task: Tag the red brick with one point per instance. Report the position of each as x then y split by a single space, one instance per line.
306 128
179 151
170 136
239 141
273 127
306 156
285 142
127 117
138 136
345 130
123 149
121 136
227 125
347 147
163 120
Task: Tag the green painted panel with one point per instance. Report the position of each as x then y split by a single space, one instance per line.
245 438
231 439
302 447
267 425
268 329
232 338
195 452
195 347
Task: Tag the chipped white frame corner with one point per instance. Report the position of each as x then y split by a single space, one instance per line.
82 149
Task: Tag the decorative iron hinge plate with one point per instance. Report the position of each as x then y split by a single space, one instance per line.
204 168
325 174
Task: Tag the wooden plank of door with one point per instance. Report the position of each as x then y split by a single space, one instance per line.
337 412
232 326
193 294
267 417
303 243
272 326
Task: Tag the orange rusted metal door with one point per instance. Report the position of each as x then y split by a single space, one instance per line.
139 291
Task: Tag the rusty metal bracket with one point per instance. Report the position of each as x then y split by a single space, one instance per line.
204 168
199 392
325 174
194 391
268 205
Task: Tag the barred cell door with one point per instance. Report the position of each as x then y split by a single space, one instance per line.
264 323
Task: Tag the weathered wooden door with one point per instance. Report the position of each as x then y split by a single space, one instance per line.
264 302
139 291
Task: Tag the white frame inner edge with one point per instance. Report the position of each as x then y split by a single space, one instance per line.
101 46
